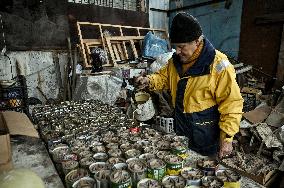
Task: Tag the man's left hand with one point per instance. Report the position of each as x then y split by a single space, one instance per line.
226 149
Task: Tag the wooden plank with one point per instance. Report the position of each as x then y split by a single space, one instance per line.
110 50
117 57
116 39
92 41
88 54
82 44
97 73
125 50
120 30
104 43
102 36
133 48
120 51
74 75
88 48
119 26
125 38
123 46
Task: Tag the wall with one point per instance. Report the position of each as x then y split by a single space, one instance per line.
159 19
280 67
221 26
99 14
35 24
260 43
39 69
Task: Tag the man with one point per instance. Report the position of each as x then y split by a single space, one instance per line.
205 94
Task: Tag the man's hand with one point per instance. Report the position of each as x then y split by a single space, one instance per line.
142 82
226 148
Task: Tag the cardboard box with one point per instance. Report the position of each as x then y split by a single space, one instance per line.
12 123
263 179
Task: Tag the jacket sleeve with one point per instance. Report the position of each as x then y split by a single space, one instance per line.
160 79
229 100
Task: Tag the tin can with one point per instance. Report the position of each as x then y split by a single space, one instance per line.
181 139
138 171
112 146
75 175
115 160
119 166
230 178
120 179
126 146
210 181
132 159
148 183
151 149
58 153
132 153
85 182
100 157
156 169
208 166
102 178
97 166
68 166
162 154
85 154
115 153
192 176
147 156
179 150
174 164
86 162
173 181
99 149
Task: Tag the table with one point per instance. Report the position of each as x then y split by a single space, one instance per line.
30 153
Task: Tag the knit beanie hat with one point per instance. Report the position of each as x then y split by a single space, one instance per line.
185 28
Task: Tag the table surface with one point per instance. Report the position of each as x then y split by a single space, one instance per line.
31 153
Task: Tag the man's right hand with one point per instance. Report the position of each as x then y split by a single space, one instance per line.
142 82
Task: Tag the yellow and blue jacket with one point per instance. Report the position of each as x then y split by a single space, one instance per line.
207 99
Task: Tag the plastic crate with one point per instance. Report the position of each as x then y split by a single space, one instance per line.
165 124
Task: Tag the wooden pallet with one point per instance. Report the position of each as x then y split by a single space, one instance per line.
116 46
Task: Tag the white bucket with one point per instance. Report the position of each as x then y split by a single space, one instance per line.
143 108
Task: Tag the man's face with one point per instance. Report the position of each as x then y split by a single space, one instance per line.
185 50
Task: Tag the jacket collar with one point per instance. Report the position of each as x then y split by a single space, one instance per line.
202 65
